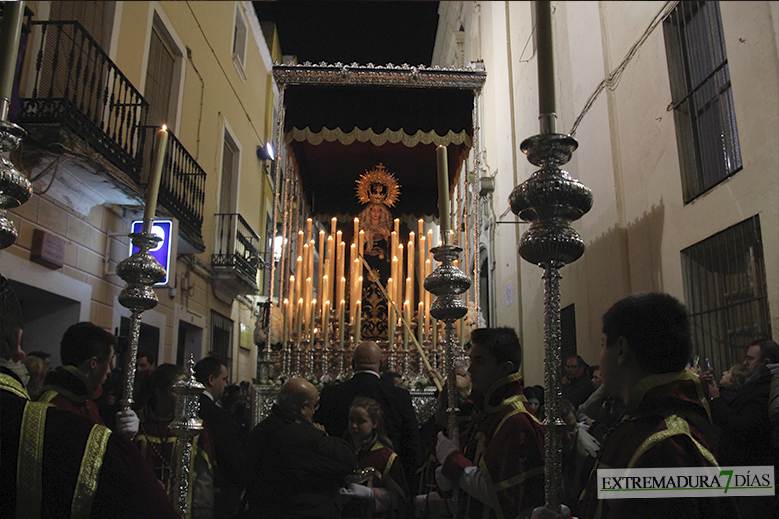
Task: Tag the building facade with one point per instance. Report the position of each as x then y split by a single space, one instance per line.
96 80
678 148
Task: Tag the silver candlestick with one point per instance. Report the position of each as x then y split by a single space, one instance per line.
447 282
185 426
15 189
141 272
550 200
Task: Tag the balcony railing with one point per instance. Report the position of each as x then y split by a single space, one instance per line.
78 85
237 246
183 182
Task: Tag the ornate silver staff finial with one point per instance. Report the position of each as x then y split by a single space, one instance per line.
186 425
15 189
447 282
550 200
141 272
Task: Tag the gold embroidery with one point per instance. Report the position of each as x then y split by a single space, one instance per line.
88 474
10 384
29 469
675 426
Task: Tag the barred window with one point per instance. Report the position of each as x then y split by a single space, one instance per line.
705 118
222 338
725 290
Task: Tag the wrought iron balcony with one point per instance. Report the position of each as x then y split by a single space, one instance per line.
183 182
77 85
236 258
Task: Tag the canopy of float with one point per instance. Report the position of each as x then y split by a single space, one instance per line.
337 133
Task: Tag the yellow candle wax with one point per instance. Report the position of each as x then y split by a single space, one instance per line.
420 322
309 228
333 223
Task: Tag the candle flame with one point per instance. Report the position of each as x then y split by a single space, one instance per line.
164 127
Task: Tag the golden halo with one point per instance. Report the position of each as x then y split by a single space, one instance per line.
378 186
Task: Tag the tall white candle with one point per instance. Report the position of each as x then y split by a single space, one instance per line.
357 322
153 189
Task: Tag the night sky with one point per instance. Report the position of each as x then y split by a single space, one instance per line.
354 31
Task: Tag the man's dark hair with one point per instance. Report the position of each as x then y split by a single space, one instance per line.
40 354
208 367
150 358
565 408
768 350
11 319
502 343
83 341
656 326
579 360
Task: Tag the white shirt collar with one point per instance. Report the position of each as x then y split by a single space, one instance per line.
209 395
368 371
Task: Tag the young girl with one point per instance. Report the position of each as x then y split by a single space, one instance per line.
385 492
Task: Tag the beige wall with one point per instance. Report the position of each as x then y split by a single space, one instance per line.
206 28
627 153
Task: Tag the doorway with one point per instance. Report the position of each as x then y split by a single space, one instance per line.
190 342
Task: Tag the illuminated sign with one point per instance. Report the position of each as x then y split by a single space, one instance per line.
164 250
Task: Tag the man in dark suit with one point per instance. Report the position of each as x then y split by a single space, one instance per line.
230 469
399 417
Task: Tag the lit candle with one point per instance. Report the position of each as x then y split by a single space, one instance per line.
357 322
299 322
339 272
443 190
291 289
310 263
333 222
304 274
153 189
309 298
410 267
312 324
421 322
361 242
397 226
422 256
394 243
321 273
285 330
409 291
298 277
356 230
309 228
406 312
391 312
341 321
325 324
301 243
394 273
325 287
342 288
330 263
400 277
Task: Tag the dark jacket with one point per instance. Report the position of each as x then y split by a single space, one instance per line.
295 469
400 420
125 485
229 474
746 429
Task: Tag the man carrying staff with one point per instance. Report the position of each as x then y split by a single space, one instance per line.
58 464
498 465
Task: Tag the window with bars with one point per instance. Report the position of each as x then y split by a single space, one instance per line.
725 291
705 118
222 338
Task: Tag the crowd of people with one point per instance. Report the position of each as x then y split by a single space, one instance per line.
356 450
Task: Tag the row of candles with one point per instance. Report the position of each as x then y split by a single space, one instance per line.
300 308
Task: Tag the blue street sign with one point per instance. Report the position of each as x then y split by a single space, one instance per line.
163 229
